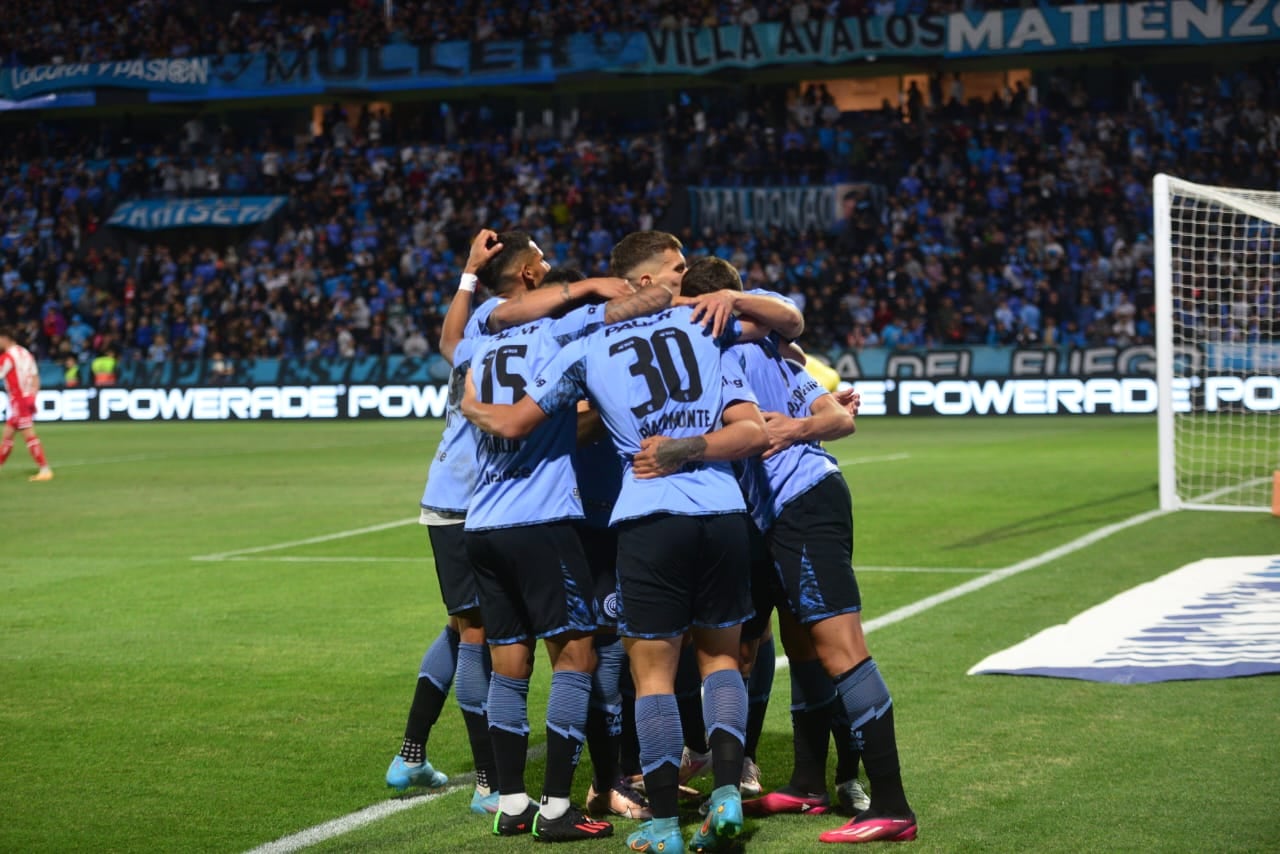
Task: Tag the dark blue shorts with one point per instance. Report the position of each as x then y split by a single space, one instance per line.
812 548
677 572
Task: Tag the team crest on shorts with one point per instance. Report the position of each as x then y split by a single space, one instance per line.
611 606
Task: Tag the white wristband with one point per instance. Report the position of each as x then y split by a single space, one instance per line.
467 283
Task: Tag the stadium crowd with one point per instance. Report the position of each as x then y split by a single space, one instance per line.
1020 220
83 31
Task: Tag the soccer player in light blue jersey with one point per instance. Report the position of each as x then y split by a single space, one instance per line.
532 575
459 651
799 499
681 538
512 267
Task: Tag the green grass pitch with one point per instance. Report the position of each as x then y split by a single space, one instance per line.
151 702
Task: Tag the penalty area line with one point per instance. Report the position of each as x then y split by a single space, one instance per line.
887 458
323 538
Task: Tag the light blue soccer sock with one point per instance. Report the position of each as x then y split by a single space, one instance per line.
566 731
867 702
435 675
472 691
509 729
658 727
724 707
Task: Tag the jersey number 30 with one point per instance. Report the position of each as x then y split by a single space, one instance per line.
656 364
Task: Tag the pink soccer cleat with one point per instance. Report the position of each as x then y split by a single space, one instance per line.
783 802
873 828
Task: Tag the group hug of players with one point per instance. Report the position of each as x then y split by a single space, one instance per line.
631 471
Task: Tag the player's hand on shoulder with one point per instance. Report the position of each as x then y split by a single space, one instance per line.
714 310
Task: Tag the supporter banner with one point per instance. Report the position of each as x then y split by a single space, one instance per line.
982 361
869 363
746 208
225 211
1212 619
151 74
1058 396
696 50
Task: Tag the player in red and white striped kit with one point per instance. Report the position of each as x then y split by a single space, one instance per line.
22 381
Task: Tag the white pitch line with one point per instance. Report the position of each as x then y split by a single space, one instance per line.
346 824
953 570
324 559
324 538
900 614
887 458
368 815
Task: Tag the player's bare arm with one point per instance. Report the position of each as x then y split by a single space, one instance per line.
484 246
827 420
642 302
510 421
714 310
743 435
528 306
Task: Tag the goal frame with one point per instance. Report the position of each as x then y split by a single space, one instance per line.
1162 195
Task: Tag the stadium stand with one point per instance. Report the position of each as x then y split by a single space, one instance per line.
82 31
1003 222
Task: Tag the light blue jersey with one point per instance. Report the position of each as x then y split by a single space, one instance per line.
781 386
530 480
452 476
478 324
653 376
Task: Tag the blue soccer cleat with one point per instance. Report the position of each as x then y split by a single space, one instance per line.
723 821
657 836
401 776
484 804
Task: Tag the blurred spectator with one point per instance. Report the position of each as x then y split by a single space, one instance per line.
1007 222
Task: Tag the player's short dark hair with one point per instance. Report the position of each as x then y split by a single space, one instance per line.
514 246
637 248
563 276
7 332
710 274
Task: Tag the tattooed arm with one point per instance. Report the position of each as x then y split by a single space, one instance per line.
743 435
528 306
644 301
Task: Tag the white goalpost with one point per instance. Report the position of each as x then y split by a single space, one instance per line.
1217 278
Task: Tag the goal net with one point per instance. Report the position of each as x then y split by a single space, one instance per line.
1217 269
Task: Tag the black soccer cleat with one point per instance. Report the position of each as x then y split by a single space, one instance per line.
570 827
515 825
